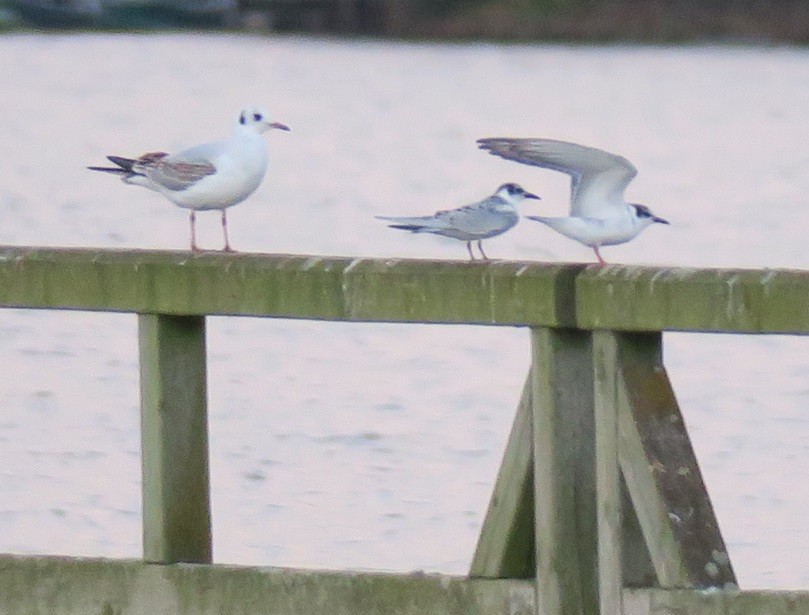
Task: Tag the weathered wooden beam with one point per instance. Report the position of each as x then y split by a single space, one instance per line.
78 586
71 586
626 298
636 563
697 602
309 287
505 549
174 437
662 473
564 466
608 477
397 290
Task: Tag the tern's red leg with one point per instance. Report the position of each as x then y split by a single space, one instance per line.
601 261
469 249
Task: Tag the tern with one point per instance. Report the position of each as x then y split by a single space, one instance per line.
599 214
492 216
211 176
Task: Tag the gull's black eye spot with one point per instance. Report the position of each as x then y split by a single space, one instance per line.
242 119
257 117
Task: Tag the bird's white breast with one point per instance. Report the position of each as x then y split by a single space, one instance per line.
240 167
598 232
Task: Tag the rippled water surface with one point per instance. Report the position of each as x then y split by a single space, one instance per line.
375 446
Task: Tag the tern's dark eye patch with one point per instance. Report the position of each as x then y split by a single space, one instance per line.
257 117
242 119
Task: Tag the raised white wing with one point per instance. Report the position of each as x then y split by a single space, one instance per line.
598 178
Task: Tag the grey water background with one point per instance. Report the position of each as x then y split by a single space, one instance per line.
376 446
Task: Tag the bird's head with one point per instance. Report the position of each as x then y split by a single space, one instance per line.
514 193
257 120
645 215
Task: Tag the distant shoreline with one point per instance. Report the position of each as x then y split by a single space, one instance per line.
579 21
643 21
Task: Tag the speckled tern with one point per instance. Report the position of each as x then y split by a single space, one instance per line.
492 216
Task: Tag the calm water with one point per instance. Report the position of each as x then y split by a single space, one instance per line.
375 446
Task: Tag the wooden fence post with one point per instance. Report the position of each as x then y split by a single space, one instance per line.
608 475
564 481
174 439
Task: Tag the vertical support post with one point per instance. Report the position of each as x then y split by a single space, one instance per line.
564 468
608 476
174 439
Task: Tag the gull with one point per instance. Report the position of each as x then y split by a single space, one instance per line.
492 216
210 176
599 215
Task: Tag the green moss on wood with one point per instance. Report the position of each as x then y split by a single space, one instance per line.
493 293
722 300
74 586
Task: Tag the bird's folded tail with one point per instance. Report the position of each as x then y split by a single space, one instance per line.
416 224
126 166
407 227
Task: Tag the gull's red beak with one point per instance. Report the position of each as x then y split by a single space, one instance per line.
279 126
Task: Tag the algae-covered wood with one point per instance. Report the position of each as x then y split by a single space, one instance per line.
697 602
564 473
721 300
662 474
82 586
608 477
174 439
72 586
311 287
399 290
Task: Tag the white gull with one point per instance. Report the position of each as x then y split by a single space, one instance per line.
211 176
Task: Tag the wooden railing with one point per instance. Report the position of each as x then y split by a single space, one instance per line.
599 506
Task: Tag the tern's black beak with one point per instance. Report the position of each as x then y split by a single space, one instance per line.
660 220
531 195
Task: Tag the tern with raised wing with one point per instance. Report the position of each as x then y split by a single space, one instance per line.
599 214
492 216
211 176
